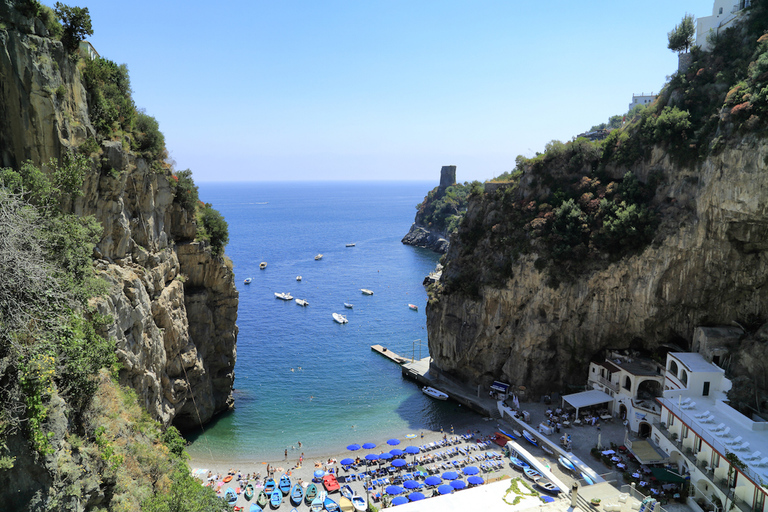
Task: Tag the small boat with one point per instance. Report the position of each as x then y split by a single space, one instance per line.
345 504
359 503
297 494
566 463
230 495
330 483
529 437
519 464
269 485
255 508
249 492
302 302
263 265
319 257
262 499
346 491
366 291
350 245
413 307
531 473
276 499
546 449
546 486
587 478
284 296
284 485
247 280
330 505
317 503
310 494
340 318
348 305
227 479
517 433
298 278
434 393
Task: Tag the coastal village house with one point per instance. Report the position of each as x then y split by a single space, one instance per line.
634 384
724 13
722 451
642 99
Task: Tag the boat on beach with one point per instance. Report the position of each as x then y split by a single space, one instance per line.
247 280
297 494
359 503
531 473
255 508
269 485
262 499
263 265
284 296
319 257
434 393
318 501
519 464
348 305
413 307
346 491
545 485
330 505
310 494
230 495
284 485
529 437
340 318
249 491
276 499
546 449
302 302
330 483
366 291
566 463
345 504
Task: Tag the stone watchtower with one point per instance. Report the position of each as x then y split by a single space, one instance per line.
447 176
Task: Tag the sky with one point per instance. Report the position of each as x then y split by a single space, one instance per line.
309 90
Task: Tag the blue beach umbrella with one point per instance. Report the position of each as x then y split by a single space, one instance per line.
469 470
319 473
396 452
371 456
399 500
416 496
385 456
369 446
445 489
458 484
450 475
476 480
433 480
394 489
413 450
398 463
353 447
393 442
411 484
347 461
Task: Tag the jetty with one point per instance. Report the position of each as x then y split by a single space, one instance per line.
384 351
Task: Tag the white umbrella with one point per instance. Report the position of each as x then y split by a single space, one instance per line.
599 439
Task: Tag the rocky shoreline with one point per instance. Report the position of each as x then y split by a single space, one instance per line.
419 236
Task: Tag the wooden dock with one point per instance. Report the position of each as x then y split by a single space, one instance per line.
384 351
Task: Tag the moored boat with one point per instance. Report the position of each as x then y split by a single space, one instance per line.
269 485
330 505
350 245
346 491
317 502
531 473
434 393
345 504
348 305
366 291
262 499
255 508
302 302
519 464
359 503
284 296
284 485
249 492
297 494
566 463
340 318
546 486
413 307
263 265
230 495
529 437
247 280
298 278
310 494
319 257
276 499
330 483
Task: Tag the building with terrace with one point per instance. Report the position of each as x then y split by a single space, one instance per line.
724 452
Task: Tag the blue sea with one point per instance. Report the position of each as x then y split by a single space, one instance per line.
299 375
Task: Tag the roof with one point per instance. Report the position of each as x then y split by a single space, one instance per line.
695 362
608 365
587 398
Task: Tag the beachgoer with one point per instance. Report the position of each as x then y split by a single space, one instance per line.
422 435
299 445
286 454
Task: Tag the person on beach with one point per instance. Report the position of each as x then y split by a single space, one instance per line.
286 454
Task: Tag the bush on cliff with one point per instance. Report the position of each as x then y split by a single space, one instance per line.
442 210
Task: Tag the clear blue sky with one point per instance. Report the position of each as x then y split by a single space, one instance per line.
258 90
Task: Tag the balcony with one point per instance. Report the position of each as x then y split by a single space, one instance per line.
605 382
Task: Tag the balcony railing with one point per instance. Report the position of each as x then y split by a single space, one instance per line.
605 382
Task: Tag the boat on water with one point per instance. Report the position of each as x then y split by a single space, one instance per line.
318 501
529 437
302 302
434 393
310 494
284 296
247 280
330 483
230 495
263 265
546 486
348 305
269 485
249 492
284 485
359 503
319 257
519 464
366 291
566 463
330 505
276 499
340 318
531 473
297 494
346 491
298 278
345 504
262 499
350 245
413 307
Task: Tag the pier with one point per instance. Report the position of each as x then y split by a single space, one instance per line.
384 351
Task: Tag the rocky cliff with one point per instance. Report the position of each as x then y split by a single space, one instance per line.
420 236
705 266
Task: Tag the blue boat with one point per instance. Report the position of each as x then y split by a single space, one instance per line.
285 485
566 463
269 485
230 495
330 505
255 508
519 464
317 503
297 494
529 437
347 492
532 474
276 499
545 485
587 479
310 494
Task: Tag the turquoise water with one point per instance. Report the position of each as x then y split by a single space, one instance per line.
299 375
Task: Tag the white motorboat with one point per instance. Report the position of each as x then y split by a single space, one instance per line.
366 291
413 307
319 257
348 305
247 280
340 318
263 265
298 278
351 245
302 302
434 393
284 296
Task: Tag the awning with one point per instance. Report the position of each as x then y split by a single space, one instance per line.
501 387
586 399
666 475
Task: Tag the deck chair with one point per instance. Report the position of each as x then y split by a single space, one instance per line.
709 419
763 462
734 441
743 447
754 456
724 433
702 415
688 406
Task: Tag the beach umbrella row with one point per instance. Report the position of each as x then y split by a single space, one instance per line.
458 484
433 480
398 463
394 489
393 442
413 450
411 484
445 489
450 475
353 447
475 480
399 500
397 452
416 496
470 470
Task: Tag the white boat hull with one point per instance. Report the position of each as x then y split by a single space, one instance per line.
434 393
340 318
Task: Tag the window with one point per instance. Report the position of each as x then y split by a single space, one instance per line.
705 391
684 378
721 11
628 383
673 368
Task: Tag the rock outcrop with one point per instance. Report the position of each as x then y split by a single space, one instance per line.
419 236
706 266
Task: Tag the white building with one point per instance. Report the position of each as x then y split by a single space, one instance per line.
642 99
724 452
634 385
724 12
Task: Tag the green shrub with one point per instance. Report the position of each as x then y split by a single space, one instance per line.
110 104
148 139
186 191
216 229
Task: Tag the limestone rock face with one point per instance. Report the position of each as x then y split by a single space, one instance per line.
707 266
419 236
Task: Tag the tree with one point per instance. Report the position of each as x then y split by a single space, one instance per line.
681 37
77 25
